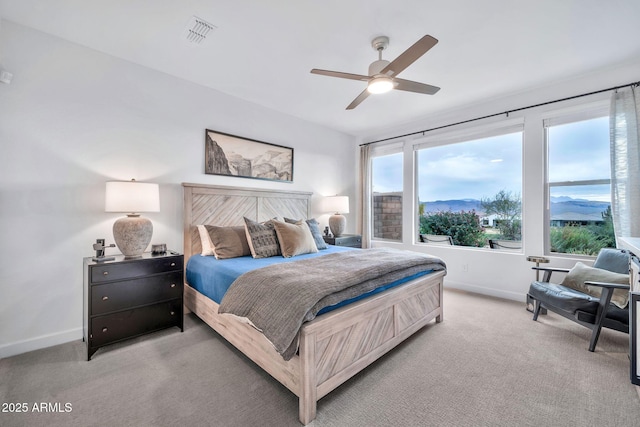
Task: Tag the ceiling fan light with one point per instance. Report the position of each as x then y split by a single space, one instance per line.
380 84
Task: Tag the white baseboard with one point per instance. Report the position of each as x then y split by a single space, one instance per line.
43 341
513 296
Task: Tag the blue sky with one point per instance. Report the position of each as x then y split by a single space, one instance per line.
481 168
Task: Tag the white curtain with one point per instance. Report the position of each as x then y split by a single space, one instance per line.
365 194
625 162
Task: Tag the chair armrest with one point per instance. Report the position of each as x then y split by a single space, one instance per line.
607 285
549 270
558 269
605 297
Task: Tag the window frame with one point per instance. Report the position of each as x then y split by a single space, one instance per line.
389 149
584 112
464 134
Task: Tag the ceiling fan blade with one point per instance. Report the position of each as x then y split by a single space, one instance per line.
339 74
409 56
358 99
411 86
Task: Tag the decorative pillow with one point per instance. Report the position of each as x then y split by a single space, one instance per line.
205 241
262 239
580 273
616 260
314 226
295 239
228 242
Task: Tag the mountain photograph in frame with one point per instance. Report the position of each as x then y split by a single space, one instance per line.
233 155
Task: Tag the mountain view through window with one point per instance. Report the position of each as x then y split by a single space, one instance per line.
471 190
579 187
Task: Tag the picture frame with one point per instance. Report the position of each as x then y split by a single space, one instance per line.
232 155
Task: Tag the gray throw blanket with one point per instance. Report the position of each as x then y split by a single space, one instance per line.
278 298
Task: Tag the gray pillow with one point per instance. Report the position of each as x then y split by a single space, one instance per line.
262 238
314 227
615 260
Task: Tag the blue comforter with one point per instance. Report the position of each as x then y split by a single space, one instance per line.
212 277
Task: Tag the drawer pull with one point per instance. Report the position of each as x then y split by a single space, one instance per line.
105 273
104 298
172 313
173 285
104 329
173 264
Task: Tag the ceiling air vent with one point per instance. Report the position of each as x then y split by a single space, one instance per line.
197 30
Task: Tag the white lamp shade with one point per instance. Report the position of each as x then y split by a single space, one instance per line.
336 204
132 196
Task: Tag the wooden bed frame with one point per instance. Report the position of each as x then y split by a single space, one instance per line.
334 346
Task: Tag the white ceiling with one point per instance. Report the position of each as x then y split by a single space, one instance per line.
262 50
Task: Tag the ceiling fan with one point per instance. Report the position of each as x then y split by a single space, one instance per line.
382 73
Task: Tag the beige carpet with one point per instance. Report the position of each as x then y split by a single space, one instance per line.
487 364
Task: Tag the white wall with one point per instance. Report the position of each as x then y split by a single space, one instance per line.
498 273
73 118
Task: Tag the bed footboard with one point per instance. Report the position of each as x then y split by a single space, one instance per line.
335 348
337 345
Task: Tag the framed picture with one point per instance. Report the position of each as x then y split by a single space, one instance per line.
232 155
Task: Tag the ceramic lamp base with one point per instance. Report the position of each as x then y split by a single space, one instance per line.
337 224
132 235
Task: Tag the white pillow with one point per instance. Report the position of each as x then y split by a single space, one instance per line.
205 241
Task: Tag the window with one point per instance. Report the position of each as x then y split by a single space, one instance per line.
386 180
470 190
579 186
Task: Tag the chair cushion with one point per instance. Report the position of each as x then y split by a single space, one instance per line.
619 314
570 300
564 298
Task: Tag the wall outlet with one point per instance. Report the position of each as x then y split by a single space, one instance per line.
5 76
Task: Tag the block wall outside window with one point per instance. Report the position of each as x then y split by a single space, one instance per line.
387 215
386 196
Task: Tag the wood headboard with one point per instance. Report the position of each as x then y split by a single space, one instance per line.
226 206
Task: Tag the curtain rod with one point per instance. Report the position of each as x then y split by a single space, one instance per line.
505 112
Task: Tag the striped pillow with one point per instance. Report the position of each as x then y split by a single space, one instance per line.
262 238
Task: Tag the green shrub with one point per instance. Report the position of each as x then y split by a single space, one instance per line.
584 239
463 227
509 230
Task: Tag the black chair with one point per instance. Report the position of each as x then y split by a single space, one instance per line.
580 307
505 244
436 239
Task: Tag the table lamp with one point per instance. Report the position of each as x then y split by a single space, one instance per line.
133 232
337 205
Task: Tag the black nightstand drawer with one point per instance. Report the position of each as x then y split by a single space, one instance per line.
355 241
134 268
350 240
115 296
129 323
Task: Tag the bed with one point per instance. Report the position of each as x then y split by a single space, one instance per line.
335 345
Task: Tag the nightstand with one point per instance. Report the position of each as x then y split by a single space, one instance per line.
350 240
128 297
